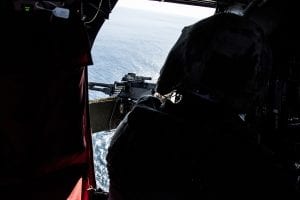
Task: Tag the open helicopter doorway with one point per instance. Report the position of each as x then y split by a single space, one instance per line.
128 53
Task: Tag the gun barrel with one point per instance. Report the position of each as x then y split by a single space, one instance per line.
102 87
94 84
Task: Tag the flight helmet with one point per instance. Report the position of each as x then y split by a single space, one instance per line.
224 56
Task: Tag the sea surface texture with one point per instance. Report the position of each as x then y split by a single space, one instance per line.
131 41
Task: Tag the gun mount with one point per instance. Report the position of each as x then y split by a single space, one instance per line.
131 87
108 112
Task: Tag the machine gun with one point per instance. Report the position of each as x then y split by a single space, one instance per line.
105 114
131 87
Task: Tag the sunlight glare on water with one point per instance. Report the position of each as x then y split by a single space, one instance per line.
135 39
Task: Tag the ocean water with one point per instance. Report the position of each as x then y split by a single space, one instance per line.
131 40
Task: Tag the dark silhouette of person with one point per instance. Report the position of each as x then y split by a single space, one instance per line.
200 139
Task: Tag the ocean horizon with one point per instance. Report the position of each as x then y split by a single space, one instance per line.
130 41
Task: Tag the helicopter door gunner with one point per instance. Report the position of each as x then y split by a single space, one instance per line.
204 144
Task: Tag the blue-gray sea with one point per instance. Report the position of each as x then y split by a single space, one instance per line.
131 40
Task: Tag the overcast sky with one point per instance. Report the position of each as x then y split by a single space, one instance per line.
171 8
